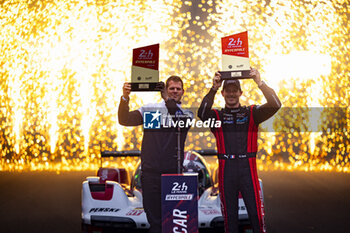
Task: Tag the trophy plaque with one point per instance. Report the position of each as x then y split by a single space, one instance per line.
144 70
235 57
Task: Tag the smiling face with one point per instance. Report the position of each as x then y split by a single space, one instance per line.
231 94
175 90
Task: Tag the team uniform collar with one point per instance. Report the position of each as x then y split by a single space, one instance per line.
232 110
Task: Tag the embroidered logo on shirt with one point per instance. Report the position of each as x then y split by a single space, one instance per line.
240 121
228 119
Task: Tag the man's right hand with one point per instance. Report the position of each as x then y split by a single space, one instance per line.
126 90
217 81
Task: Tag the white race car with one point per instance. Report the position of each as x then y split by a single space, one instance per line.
111 204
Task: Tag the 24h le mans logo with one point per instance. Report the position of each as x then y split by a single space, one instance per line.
151 120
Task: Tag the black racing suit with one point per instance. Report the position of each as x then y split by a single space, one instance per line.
158 156
236 141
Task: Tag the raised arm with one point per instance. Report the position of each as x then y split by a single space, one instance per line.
205 112
263 112
125 117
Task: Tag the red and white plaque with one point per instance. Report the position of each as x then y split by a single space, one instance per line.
235 56
145 68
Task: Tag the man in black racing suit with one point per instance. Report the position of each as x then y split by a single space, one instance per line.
236 142
159 146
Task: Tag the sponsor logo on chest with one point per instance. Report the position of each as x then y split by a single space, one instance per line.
238 118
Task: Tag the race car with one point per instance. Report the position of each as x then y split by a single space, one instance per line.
112 203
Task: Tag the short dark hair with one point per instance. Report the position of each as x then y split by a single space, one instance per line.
174 78
234 82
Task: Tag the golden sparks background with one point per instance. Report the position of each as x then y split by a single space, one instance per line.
63 64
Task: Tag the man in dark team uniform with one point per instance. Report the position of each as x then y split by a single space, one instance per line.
159 146
237 147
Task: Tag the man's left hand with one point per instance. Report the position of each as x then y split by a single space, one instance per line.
161 86
254 73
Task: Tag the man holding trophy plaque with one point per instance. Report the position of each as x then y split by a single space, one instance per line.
159 144
236 141
162 149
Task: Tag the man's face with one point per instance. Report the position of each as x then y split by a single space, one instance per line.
231 94
175 91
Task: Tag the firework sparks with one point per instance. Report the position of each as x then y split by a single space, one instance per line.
64 62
